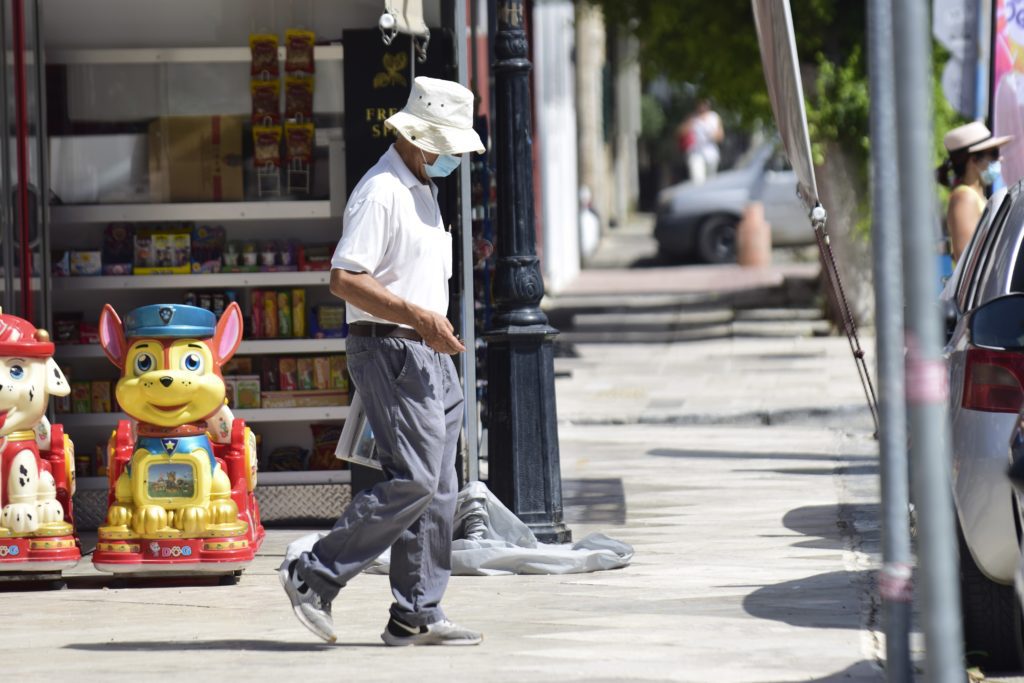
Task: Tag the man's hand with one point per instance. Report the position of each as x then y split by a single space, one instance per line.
438 333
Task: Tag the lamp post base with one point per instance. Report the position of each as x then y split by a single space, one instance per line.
524 469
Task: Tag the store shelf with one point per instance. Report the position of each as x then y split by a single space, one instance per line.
252 415
225 280
256 347
189 211
303 478
176 55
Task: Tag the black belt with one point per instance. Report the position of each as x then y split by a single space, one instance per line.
368 329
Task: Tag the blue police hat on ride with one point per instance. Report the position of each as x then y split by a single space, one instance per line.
170 320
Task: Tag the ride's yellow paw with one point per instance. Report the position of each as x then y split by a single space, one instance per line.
119 515
191 520
149 519
223 511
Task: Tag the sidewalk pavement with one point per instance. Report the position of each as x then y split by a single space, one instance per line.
742 471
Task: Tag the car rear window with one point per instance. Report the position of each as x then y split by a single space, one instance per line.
977 250
1002 270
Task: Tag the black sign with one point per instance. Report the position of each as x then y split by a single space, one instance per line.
378 78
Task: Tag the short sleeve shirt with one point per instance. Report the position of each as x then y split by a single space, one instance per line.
392 229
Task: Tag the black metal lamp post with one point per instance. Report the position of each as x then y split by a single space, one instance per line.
524 470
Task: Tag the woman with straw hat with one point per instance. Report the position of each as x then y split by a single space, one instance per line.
970 169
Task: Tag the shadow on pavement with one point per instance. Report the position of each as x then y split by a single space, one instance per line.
827 600
712 455
861 671
856 470
594 501
192 645
829 525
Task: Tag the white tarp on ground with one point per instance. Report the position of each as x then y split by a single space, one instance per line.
490 541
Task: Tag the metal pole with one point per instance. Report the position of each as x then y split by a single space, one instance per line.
926 388
522 434
895 581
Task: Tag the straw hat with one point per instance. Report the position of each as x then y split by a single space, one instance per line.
972 137
438 118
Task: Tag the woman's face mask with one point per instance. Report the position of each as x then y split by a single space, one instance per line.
442 166
991 173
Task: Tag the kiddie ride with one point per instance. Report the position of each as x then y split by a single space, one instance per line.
37 476
182 470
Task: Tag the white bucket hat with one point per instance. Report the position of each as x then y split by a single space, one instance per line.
972 137
438 118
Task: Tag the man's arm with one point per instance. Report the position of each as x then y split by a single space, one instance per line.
363 291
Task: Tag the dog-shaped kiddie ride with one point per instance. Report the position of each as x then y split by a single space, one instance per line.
37 475
183 470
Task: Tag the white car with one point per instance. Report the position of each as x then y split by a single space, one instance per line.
700 220
986 392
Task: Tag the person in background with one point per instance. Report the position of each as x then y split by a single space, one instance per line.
699 136
971 168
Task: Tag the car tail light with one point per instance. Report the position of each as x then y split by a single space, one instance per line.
993 381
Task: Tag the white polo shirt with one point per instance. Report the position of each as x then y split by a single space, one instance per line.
393 230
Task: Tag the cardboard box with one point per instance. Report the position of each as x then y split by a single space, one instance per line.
109 169
86 263
196 159
287 374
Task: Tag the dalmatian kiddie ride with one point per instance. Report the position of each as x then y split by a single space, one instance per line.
37 476
183 469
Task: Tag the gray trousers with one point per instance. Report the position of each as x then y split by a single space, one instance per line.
413 402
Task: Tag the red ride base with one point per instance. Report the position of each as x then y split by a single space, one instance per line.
174 555
39 554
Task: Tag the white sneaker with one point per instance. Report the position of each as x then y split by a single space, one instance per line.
442 632
313 611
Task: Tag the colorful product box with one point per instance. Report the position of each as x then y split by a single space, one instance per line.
287 374
163 251
257 314
321 372
299 313
231 391
284 314
86 263
270 321
81 396
247 391
100 396
305 373
339 373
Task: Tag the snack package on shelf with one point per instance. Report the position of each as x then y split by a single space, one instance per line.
315 256
339 372
328 322
266 147
86 263
298 99
257 314
287 374
247 391
304 367
268 374
299 313
118 249
284 314
298 45
303 399
100 396
81 396
163 250
231 391
270 322
207 248
322 373
287 459
325 439
264 62
298 143
266 102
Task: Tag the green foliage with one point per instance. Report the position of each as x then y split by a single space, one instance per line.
838 111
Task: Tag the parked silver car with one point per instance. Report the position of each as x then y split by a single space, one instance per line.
700 220
986 392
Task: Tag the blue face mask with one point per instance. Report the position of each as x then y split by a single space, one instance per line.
991 173
443 166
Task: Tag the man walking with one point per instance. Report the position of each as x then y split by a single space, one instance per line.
392 267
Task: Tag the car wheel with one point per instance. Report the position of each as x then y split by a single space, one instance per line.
993 634
716 239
